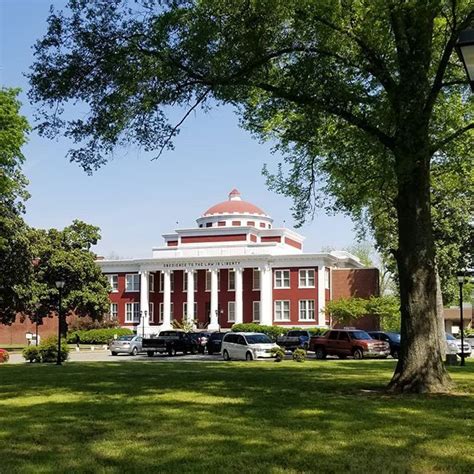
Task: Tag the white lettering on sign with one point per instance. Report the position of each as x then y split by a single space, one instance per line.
200 264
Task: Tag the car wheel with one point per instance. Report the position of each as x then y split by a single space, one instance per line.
395 354
135 351
226 356
358 354
248 356
193 350
150 353
113 353
305 346
320 353
172 352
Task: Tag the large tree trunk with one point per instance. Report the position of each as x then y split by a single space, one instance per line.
420 367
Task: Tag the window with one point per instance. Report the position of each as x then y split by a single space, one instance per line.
326 278
256 279
251 223
235 223
307 279
231 285
185 281
152 283
208 280
208 224
161 314
231 312
113 282
306 310
282 310
151 312
162 281
343 336
114 311
132 282
333 335
256 311
185 310
132 312
282 278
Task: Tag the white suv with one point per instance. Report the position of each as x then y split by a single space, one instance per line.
247 346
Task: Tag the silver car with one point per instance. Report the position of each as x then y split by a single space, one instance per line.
126 345
454 346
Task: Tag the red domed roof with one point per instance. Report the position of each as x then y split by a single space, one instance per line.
234 205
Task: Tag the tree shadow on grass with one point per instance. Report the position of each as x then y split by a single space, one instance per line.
194 417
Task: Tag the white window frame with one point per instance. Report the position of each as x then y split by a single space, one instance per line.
161 312
185 309
231 304
162 282
135 282
151 312
151 282
209 282
303 274
305 313
113 314
256 271
132 309
111 277
255 305
230 272
279 308
279 280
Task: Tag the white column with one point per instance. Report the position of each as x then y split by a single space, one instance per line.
321 317
190 296
239 313
144 326
166 300
266 295
214 324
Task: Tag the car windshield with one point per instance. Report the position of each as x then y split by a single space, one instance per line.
298 333
394 336
217 335
125 338
258 339
450 337
360 335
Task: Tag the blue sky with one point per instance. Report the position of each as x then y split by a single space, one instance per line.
132 199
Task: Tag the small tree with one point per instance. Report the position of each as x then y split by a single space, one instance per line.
346 310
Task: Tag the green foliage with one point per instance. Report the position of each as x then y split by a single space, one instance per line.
271 331
4 356
349 310
278 353
299 355
47 351
86 322
97 336
313 331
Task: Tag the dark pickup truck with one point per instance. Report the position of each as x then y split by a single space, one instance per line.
294 339
170 342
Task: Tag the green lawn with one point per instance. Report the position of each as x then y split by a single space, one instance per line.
320 416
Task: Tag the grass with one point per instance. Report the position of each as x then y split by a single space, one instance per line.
320 416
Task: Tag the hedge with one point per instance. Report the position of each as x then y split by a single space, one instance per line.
97 336
47 351
273 331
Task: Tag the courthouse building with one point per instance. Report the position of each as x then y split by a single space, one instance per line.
233 267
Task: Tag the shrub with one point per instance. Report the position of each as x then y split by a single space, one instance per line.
299 355
31 354
271 331
46 352
4 356
278 353
97 336
85 323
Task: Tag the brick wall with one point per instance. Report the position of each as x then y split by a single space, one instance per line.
16 332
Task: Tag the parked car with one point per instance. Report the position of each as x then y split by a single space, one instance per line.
170 342
294 339
214 342
201 339
393 338
454 346
129 344
247 346
348 342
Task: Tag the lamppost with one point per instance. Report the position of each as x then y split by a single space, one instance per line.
143 315
59 286
465 49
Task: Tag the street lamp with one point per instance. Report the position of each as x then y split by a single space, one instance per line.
59 285
461 279
143 315
465 49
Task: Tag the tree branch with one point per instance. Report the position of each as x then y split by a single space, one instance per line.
450 138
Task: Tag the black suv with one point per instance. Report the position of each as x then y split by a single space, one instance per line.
214 342
393 338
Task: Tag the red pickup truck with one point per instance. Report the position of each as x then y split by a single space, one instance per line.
348 342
